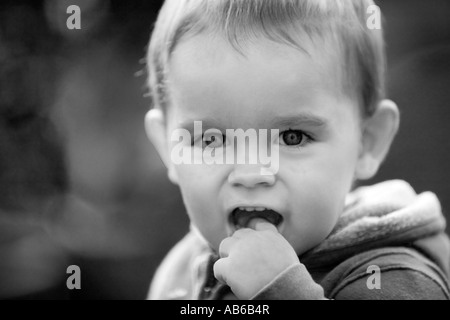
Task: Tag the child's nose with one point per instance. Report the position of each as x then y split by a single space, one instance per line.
250 176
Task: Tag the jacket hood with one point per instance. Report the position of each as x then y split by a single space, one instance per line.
387 214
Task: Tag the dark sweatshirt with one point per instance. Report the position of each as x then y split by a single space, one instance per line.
389 243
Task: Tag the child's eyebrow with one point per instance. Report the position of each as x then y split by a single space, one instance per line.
295 120
303 119
207 123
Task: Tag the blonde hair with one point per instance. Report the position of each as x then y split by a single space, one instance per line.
341 24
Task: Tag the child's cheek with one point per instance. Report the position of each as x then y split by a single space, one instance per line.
317 194
200 188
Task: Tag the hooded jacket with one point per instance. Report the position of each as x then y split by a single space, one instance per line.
389 243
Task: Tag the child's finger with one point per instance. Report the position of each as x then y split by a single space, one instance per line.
260 224
225 246
220 268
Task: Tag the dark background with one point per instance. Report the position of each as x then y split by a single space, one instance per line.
79 182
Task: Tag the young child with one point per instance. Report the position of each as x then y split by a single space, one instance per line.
312 70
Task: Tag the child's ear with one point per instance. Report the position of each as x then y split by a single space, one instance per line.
378 132
155 126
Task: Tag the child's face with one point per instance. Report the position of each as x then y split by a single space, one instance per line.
270 87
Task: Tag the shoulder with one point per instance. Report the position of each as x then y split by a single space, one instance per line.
387 273
173 276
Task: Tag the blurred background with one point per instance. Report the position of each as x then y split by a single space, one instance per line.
79 182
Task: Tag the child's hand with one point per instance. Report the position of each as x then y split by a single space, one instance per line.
251 259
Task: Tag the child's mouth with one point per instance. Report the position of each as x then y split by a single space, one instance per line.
242 216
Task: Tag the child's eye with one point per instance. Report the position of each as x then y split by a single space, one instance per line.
294 138
214 140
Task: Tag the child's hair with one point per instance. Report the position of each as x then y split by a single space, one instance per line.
338 27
